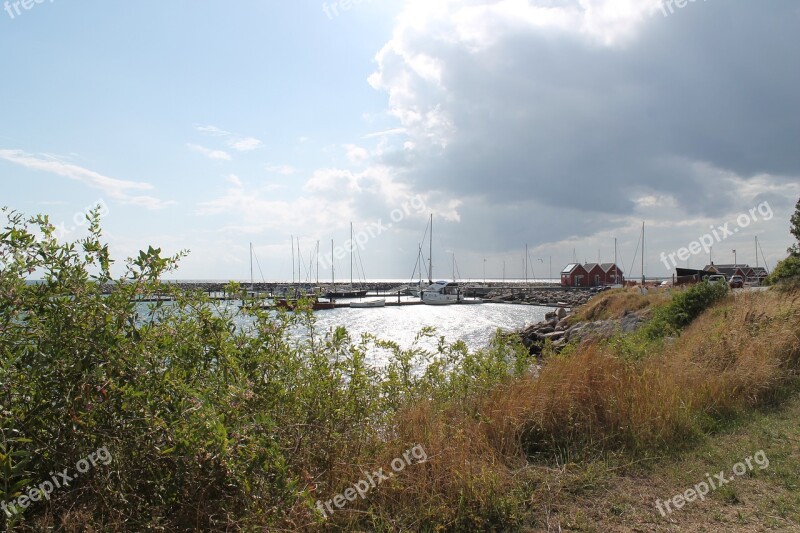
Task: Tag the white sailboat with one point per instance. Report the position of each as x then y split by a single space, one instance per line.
440 292
346 291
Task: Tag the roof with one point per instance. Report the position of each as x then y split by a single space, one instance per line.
609 266
569 268
729 267
590 266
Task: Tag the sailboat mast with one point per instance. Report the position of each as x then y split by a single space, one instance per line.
251 266
333 269
351 254
526 263
643 278
430 256
756 251
421 261
292 237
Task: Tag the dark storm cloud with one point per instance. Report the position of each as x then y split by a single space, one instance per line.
554 119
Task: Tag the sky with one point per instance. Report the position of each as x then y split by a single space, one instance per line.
560 125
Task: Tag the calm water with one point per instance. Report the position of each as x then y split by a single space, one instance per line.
473 324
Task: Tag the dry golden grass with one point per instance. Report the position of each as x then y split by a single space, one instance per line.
615 303
738 355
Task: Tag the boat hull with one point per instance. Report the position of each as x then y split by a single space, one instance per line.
439 302
346 294
368 305
442 293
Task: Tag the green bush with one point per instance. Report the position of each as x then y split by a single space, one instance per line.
211 424
684 308
788 269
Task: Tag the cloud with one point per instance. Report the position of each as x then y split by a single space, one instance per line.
114 188
356 154
569 113
330 199
217 155
212 130
235 142
284 170
386 133
245 145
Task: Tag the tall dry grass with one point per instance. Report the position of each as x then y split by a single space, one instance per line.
741 354
615 303
736 356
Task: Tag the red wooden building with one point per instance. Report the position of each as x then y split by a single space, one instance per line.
591 275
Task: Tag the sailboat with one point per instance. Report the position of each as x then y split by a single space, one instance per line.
291 304
347 291
252 292
415 289
440 292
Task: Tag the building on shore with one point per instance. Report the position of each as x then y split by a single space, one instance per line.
748 273
591 275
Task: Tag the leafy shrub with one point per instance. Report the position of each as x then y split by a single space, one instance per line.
211 425
786 270
685 306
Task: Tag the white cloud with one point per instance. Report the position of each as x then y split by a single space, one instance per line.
211 130
234 179
284 170
386 133
217 155
235 142
246 144
356 154
114 188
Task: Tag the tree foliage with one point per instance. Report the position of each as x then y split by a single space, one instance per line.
216 417
795 230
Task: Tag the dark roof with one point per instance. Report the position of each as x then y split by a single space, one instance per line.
731 267
609 266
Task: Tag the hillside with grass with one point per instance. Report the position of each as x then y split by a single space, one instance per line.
210 426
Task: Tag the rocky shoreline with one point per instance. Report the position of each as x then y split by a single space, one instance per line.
570 298
560 330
